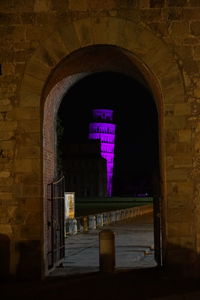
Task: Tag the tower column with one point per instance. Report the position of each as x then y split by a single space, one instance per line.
103 129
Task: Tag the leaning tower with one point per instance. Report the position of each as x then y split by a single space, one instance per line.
103 129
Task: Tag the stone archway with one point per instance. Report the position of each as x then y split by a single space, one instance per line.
52 62
98 59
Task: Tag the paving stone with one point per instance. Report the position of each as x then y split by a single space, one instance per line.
133 240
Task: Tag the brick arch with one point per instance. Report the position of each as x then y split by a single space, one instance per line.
53 66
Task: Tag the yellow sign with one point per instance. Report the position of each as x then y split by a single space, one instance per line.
69 205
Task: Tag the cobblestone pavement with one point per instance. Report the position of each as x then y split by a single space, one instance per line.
134 247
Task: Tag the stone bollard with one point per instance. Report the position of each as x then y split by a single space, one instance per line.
92 222
113 217
66 227
85 224
79 225
109 218
74 226
105 219
71 225
122 214
118 215
99 220
106 251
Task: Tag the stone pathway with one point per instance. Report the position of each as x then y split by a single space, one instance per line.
134 247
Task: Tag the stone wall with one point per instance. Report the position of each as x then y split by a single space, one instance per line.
36 37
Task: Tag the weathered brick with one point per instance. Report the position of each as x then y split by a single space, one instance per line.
180 213
176 191
180 228
190 66
31 232
42 5
152 15
6 196
84 32
5 174
183 160
8 69
8 125
6 135
33 32
28 152
32 204
196 53
175 3
6 6
191 13
44 18
181 109
172 13
183 51
79 5
191 41
31 191
195 28
23 165
143 3
177 174
157 3
107 4
29 125
185 135
23 5
29 18
25 113
179 29
160 27
13 32
9 19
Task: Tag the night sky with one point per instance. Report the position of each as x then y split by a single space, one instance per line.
136 145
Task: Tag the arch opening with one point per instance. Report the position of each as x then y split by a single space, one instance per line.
100 63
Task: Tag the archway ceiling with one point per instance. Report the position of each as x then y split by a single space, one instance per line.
98 58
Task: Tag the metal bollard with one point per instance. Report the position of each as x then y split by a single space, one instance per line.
106 251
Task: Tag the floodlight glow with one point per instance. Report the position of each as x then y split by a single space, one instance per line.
103 130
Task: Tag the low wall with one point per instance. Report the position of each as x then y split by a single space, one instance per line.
92 222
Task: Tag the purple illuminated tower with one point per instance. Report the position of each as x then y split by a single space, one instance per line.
103 130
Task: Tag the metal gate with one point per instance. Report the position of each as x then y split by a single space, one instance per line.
157 230
55 223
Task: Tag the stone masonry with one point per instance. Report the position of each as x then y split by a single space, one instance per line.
158 38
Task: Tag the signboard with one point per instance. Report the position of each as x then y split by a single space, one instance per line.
69 205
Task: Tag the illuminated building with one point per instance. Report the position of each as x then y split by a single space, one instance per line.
103 129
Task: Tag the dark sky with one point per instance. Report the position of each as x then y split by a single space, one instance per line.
136 119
